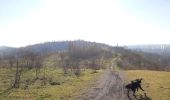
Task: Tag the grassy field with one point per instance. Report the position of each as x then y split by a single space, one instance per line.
156 83
69 85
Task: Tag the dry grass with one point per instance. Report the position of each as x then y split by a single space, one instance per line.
156 83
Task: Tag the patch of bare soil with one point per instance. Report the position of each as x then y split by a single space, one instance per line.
109 86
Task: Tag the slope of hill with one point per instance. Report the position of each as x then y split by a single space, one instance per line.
158 53
67 69
127 59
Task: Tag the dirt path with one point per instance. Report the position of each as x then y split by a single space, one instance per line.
110 86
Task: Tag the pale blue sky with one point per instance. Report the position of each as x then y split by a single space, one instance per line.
127 22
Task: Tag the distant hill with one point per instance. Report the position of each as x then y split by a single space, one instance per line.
5 50
49 47
59 46
128 59
161 49
158 53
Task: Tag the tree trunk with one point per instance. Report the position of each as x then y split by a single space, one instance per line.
17 77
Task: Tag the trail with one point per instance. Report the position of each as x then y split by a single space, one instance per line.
109 86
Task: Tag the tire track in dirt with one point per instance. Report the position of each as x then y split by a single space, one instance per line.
109 86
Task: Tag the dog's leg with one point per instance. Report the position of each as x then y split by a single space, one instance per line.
141 88
128 92
137 89
134 91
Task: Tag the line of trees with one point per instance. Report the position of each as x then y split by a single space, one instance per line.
79 57
74 59
23 60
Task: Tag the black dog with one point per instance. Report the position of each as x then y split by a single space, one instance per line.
134 85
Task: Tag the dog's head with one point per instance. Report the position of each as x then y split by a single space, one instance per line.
139 80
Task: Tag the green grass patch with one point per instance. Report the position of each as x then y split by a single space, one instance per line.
156 83
69 85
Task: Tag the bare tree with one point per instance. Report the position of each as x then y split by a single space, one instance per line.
17 76
38 65
94 65
26 60
64 61
11 61
75 54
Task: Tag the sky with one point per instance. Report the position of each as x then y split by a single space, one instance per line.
123 22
